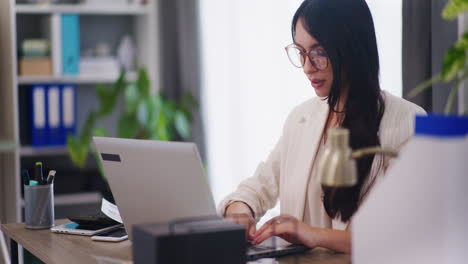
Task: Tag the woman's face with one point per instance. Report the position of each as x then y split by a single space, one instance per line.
321 80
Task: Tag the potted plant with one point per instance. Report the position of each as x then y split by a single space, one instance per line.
454 68
145 116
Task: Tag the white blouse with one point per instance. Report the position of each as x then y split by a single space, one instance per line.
288 174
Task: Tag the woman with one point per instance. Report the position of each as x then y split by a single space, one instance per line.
335 44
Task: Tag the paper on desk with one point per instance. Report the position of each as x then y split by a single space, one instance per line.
111 210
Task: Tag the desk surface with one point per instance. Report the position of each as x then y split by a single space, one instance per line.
62 248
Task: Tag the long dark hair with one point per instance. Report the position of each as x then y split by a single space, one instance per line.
346 31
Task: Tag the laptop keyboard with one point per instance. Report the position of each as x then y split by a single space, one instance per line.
256 248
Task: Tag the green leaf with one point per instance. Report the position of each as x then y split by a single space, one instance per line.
454 8
143 83
454 61
86 133
462 43
451 98
77 150
107 99
142 112
120 84
423 86
100 132
127 127
168 108
131 98
162 129
182 125
453 92
154 108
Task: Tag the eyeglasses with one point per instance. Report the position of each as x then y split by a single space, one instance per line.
297 55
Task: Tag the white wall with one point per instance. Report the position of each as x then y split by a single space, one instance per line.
388 21
249 84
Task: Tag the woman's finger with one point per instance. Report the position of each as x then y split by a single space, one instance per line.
252 231
272 222
265 234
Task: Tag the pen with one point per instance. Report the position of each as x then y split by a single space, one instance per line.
25 175
33 183
39 177
51 176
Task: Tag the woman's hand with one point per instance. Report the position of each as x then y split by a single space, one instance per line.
288 228
240 213
294 231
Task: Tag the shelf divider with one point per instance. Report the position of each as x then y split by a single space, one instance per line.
83 9
7 146
27 151
25 80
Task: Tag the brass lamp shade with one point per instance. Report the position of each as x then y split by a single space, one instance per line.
336 167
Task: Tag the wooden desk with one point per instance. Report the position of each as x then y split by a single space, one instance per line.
69 249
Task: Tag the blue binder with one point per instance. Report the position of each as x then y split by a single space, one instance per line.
55 135
68 116
70 44
38 115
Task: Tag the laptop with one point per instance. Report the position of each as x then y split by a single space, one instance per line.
159 181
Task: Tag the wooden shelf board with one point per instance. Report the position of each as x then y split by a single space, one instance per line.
83 9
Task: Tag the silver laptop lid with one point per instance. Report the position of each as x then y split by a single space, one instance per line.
155 181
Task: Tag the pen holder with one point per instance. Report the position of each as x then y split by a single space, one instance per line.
39 206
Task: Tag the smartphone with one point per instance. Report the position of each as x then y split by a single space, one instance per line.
115 235
84 230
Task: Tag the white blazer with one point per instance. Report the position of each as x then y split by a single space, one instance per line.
285 173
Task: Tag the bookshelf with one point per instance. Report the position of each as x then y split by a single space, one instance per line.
97 24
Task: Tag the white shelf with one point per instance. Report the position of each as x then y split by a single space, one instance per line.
75 199
43 151
82 9
23 80
7 146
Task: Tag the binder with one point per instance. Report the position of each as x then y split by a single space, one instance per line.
56 47
70 44
55 135
68 116
38 115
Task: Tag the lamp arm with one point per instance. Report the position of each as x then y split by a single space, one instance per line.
357 154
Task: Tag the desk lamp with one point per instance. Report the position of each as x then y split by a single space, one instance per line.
337 167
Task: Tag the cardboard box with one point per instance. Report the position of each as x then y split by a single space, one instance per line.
35 66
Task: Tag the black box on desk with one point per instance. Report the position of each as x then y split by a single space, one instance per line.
207 240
